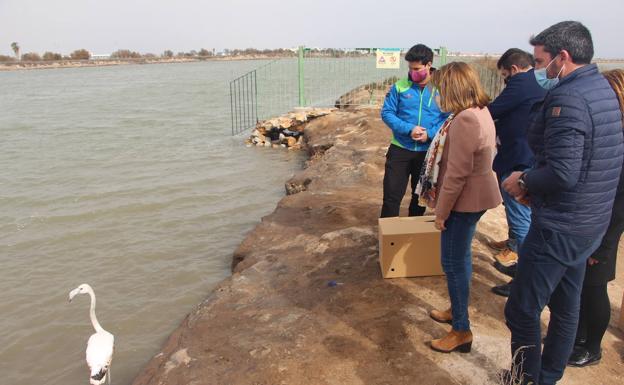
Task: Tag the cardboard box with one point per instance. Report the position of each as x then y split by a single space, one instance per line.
409 247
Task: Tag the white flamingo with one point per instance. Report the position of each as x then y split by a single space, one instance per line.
100 345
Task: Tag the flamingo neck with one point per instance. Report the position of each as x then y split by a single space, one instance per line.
94 321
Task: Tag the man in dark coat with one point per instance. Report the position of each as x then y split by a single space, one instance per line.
511 111
576 138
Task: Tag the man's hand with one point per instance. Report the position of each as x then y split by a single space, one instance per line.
419 134
511 185
439 224
524 199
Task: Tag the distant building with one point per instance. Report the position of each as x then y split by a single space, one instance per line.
100 56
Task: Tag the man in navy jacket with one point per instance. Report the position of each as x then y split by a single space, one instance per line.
576 138
511 111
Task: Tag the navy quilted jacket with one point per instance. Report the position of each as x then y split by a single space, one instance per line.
576 137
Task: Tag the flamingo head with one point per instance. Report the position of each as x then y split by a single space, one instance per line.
82 289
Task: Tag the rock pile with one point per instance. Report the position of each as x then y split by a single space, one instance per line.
285 131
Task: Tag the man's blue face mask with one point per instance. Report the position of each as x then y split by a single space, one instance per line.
541 76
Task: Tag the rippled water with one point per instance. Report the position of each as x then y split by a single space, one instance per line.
125 178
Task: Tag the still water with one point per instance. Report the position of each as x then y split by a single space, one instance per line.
125 178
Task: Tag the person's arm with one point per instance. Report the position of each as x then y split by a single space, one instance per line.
389 114
463 142
567 120
510 98
433 130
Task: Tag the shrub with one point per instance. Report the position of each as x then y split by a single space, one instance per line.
48 56
31 56
80 54
4 59
125 54
168 53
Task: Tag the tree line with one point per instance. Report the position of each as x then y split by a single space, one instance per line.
83 54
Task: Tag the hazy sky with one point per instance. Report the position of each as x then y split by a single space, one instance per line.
103 26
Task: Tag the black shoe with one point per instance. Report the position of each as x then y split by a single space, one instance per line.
581 357
502 290
509 271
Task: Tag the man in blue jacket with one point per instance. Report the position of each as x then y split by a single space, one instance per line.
511 111
411 112
576 138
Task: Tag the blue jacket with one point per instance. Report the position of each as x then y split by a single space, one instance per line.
407 106
511 111
577 141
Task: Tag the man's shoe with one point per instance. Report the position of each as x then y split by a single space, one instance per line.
507 258
445 317
581 357
453 341
508 271
502 290
499 245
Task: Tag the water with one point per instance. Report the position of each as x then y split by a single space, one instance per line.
125 178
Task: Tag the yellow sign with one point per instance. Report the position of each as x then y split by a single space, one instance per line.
389 58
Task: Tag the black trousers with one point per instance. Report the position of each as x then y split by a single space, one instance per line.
594 317
401 165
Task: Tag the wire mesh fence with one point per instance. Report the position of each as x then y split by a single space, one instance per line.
327 78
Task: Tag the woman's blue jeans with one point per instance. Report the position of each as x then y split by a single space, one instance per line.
457 263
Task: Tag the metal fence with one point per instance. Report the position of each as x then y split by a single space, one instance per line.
244 102
328 78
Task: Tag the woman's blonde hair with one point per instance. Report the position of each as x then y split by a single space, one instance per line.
459 87
616 80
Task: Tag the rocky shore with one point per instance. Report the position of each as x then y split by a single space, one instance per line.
306 303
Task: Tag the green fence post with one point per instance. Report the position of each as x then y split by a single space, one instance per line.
301 78
443 52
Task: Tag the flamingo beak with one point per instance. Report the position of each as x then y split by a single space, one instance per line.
72 294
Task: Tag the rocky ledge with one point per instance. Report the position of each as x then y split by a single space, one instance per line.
306 303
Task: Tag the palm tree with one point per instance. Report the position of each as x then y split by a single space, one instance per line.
16 49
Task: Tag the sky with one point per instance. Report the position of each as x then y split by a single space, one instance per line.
152 26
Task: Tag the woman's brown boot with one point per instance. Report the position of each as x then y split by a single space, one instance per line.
445 317
453 341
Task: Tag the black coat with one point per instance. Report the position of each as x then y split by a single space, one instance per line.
606 254
511 111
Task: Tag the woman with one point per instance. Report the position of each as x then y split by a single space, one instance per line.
595 306
459 182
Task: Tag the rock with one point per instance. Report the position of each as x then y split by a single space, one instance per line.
301 117
285 123
291 141
288 132
267 144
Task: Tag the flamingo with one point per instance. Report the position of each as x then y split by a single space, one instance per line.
100 346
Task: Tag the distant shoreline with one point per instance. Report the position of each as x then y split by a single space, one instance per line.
38 65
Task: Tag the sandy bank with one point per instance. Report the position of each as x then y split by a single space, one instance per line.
276 320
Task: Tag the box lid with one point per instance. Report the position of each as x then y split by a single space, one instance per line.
407 225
